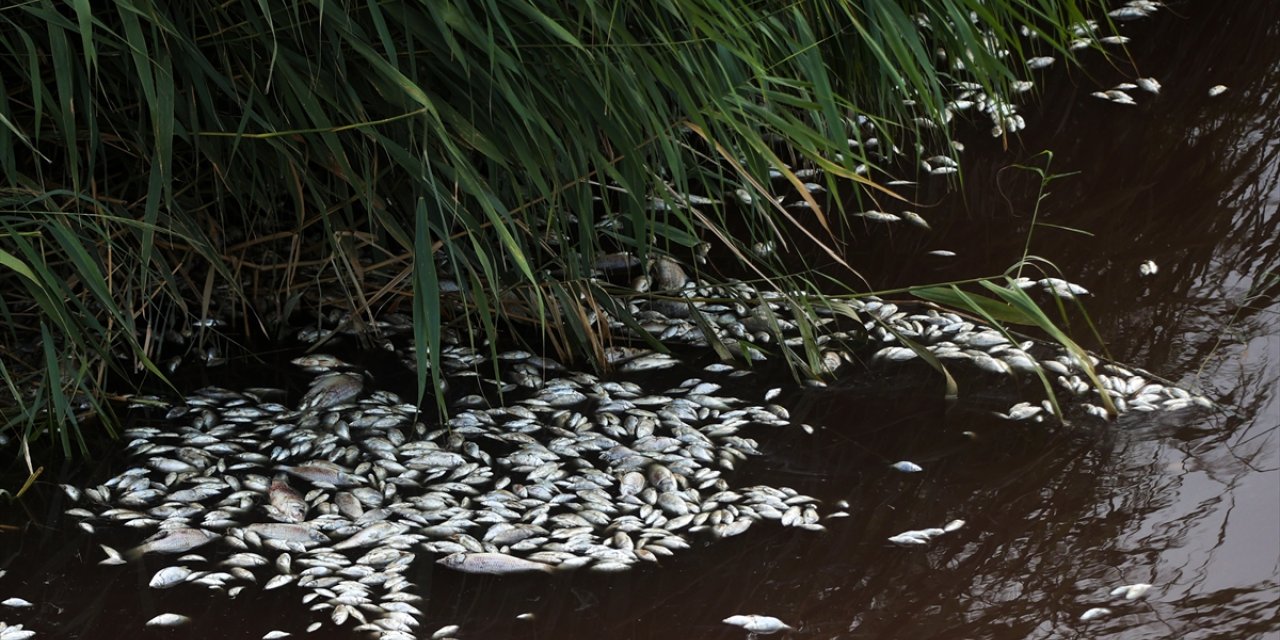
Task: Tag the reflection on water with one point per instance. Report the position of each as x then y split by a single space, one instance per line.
1189 501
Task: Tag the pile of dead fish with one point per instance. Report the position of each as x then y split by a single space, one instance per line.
339 496
746 320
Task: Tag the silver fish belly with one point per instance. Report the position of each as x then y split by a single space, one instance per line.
494 564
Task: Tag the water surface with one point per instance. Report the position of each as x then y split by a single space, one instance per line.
1187 501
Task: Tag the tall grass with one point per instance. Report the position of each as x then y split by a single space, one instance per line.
162 161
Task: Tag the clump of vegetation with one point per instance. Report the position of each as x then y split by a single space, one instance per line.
169 166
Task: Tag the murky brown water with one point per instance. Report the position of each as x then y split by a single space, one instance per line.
1189 502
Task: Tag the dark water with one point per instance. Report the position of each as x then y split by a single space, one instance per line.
1186 501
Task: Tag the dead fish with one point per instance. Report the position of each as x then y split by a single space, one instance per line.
286 504
661 478
15 603
1150 85
954 525
332 389
168 620
668 275
906 466
943 253
323 472
180 540
878 216
1217 90
494 564
1131 591
916 219
1094 614
1148 268
758 623
113 556
276 635
319 363
371 534
287 532
169 577
649 362
905 540
445 632
15 632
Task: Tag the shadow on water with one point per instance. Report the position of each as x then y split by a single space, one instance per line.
1189 502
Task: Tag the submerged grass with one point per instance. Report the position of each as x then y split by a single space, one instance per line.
167 164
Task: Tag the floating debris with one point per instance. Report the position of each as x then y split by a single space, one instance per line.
906 466
1148 268
757 623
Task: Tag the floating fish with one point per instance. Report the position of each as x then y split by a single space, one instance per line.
332 389
492 564
288 532
113 556
1150 85
1094 614
323 472
319 363
287 504
906 466
371 534
15 632
905 540
915 218
170 577
1131 591
878 216
1217 90
179 540
168 620
757 623
1148 268
446 631
15 603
